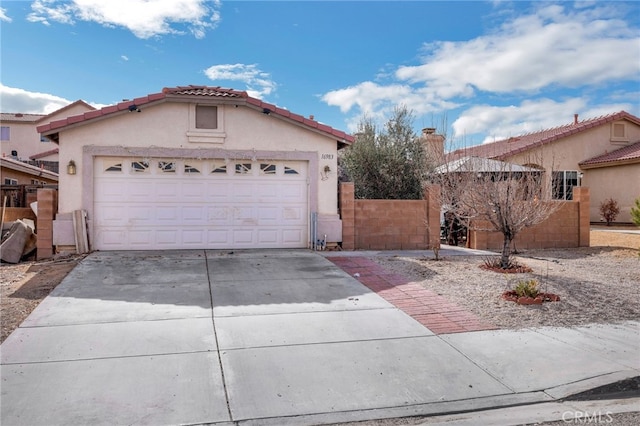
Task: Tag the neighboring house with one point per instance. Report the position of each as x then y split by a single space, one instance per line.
16 172
21 141
20 181
197 167
601 153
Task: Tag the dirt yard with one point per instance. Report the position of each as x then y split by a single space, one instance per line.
23 286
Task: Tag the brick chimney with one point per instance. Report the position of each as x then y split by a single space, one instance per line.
575 118
433 144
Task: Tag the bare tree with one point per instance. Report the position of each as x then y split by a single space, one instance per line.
491 195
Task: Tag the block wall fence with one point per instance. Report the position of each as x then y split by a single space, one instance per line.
415 224
389 224
568 227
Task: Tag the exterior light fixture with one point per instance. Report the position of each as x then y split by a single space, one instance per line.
71 168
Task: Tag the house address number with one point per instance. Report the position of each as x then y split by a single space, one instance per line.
327 156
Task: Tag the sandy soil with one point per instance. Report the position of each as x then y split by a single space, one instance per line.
24 285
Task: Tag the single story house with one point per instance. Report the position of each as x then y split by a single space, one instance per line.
197 167
601 153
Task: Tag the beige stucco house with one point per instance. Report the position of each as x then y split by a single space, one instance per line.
600 153
21 140
197 167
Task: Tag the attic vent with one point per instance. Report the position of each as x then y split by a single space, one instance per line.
619 132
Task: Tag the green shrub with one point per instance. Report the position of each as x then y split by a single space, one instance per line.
635 212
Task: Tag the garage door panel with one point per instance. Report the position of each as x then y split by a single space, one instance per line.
158 210
140 237
293 191
166 191
193 191
267 236
193 237
219 216
242 237
291 236
219 238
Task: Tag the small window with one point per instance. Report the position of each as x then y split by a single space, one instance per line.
8 181
139 166
267 169
167 166
5 133
222 169
290 171
188 169
206 117
114 168
43 139
243 168
619 132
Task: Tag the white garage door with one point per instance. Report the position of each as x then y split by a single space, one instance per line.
144 204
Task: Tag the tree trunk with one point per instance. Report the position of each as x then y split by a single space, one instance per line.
506 252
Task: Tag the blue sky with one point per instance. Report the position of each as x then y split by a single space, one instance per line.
479 71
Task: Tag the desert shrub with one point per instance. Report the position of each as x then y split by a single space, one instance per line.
527 288
496 264
609 210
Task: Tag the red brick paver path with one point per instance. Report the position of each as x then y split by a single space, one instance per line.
429 309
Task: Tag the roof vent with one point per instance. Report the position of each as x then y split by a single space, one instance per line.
575 118
19 115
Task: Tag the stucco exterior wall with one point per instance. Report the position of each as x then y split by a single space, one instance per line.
602 183
25 140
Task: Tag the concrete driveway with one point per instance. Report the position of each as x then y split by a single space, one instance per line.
268 337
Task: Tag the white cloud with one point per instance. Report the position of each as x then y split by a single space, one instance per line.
551 47
3 15
13 99
20 100
124 57
144 18
259 83
557 51
502 122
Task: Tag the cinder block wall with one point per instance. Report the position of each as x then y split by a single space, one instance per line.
566 228
389 224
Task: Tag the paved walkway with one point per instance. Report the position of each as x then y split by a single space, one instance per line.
428 308
273 338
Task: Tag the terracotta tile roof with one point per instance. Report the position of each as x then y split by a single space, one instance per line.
627 154
20 117
515 145
168 93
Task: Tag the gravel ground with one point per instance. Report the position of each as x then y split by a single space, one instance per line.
595 285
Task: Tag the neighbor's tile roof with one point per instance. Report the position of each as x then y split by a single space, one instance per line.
44 154
627 154
20 117
194 92
515 145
